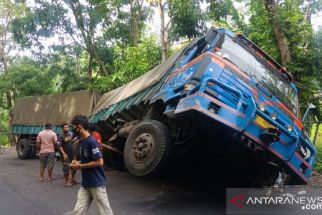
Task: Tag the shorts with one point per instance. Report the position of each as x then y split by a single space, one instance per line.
47 159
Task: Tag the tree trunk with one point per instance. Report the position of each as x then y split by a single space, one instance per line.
88 37
7 14
134 29
282 43
10 103
90 66
163 35
100 63
307 16
307 19
136 10
93 55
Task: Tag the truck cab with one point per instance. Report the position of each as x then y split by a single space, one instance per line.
227 78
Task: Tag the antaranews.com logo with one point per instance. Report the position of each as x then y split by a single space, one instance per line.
273 201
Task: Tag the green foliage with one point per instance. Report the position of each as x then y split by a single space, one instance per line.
304 47
299 35
3 128
318 144
119 31
27 78
68 68
76 21
40 22
318 162
260 29
130 63
220 11
188 20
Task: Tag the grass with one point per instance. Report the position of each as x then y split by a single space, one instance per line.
318 144
318 161
4 139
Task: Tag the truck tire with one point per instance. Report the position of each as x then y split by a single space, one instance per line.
23 149
148 149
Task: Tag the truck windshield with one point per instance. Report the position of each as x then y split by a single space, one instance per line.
254 67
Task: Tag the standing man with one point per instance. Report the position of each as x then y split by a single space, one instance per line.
46 141
91 165
93 131
66 150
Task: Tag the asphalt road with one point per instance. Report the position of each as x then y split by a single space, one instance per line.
21 193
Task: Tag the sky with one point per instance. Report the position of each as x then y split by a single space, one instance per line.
317 21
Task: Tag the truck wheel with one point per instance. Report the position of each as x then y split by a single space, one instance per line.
23 149
148 149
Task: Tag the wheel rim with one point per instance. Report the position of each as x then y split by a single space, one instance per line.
143 147
21 148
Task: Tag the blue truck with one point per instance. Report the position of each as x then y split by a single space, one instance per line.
220 89
224 85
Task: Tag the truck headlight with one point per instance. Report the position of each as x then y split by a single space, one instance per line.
188 87
262 107
219 53
290 128
274 115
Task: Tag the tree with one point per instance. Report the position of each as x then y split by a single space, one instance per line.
312 7
272 8
164 28
119 30
8 11
26 77
303 48
47 19
136 8
3 127
126 26
129 64
260 30
283 26
68 66
23 78
224 10
87 19
188 20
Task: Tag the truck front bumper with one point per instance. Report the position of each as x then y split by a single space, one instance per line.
243 121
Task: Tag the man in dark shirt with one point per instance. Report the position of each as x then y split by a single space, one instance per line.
91 165
66 150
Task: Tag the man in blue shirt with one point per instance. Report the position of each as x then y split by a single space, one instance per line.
91 165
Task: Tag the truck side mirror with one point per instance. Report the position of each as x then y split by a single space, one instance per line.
210 36
310 107
310 117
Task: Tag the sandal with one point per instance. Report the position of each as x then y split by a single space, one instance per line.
68 184
75 182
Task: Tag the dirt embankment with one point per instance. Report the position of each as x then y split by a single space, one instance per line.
7 152
316 179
